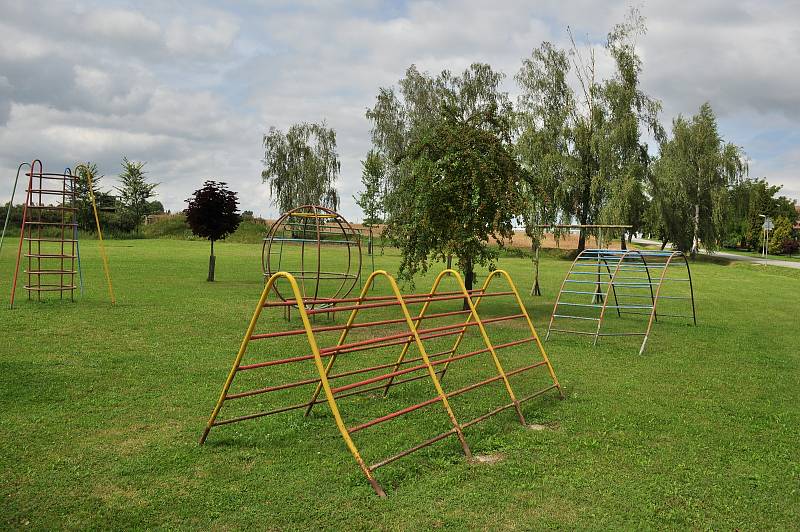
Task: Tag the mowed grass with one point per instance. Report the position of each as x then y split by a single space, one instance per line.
102 408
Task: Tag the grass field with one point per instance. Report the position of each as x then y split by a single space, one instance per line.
102 408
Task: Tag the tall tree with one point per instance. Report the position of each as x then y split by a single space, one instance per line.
403 115
404 125
213 213
301 166
370 200
583 151
690 182
134 192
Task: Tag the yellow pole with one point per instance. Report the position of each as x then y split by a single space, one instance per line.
100 236
524 311
416 325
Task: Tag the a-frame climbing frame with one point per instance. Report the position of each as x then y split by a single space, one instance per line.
625 281
411 357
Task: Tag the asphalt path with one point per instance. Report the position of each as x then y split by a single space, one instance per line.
735 256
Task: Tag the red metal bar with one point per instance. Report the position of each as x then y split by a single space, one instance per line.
329 328
421 297
393 415
395 302
423 366
454 393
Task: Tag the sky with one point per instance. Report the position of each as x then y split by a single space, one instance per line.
191 87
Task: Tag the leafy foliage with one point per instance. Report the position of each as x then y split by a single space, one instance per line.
213 214
84 173
213 211
134 192
370 200
790 246
781 233
747 200
450 179
462 190
690 182
583 153
301 166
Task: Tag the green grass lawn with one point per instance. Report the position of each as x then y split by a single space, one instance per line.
102 408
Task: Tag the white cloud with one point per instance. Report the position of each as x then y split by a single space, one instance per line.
121 24
191 87
201 39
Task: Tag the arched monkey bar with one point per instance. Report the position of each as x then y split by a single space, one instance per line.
626 281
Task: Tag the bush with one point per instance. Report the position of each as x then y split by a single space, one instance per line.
790 246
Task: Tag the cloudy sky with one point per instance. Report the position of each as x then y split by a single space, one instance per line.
192 86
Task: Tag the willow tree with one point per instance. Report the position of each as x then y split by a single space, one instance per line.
301 166
690 182
439 196
583 150
545 108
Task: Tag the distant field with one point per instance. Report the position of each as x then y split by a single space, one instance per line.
102 408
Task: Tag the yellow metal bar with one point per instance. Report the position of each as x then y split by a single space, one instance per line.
524 311
317 362
326 386
100 237
417 321
487 342
238 360
350 320
424 354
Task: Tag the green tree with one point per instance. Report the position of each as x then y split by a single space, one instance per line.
134 193
782 232
462 192
749 200
370 200
437 201
690 182
155 207
584 154
301 166
213 213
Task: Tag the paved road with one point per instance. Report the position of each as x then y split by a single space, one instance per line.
735 256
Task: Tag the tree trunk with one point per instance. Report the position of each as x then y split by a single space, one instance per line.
369 244
622 241
535 291
582 237
469 276
663 244
695 237
211 261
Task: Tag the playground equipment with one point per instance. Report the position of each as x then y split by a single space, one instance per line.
50 229
413 354
307 242
635 279
540 229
